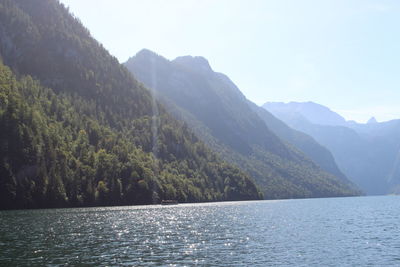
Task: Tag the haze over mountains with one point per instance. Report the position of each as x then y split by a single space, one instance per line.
313 112
221 116
318 153
369 154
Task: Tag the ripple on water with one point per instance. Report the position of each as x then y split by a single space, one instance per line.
319 232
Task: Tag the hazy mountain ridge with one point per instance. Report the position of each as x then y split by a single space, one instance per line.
313 112
367 153
214 104
194 92
305 143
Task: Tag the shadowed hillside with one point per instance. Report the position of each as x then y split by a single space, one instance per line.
220 114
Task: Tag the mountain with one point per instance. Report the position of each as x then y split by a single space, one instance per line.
372 120
212 105
78 130
374 128
313 112
319 154
368 154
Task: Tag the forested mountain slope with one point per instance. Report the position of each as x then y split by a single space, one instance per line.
220 114
77 129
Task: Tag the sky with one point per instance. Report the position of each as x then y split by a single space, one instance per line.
344 54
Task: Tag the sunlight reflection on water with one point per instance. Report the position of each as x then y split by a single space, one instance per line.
329 232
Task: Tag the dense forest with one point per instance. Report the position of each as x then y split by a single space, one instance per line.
78 130
212 105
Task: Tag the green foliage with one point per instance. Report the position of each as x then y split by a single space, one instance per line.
52 156
80 132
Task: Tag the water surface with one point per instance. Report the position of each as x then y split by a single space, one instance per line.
310 232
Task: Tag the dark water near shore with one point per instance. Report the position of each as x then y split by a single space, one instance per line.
311 232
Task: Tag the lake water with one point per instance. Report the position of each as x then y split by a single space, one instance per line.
310 232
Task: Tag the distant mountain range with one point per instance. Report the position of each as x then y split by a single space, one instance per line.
369 154
310 111
238 130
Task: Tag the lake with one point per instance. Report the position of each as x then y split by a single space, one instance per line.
358 231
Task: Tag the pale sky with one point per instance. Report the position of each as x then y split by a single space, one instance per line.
344 54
